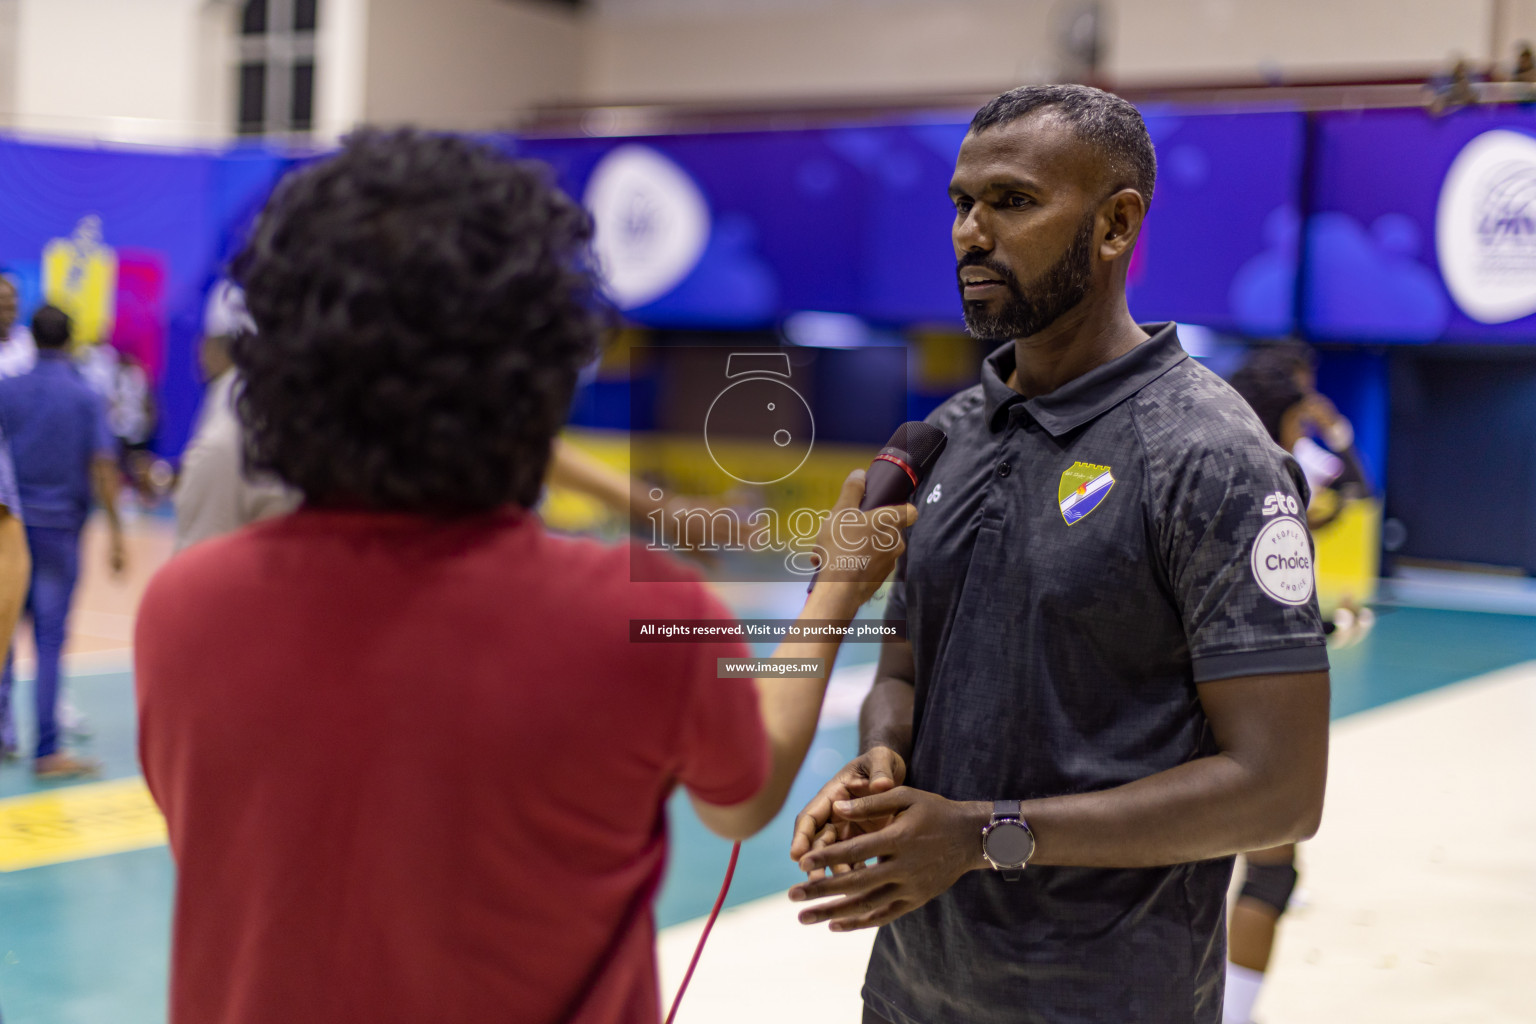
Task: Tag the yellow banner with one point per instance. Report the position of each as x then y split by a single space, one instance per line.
80 277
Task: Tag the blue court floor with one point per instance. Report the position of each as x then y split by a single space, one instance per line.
86 942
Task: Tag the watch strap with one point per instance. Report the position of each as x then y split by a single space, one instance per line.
1005 809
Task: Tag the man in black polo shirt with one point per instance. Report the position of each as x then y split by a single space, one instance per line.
1114 676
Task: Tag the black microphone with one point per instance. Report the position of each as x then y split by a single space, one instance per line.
899 469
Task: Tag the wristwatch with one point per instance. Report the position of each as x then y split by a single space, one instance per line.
1006 841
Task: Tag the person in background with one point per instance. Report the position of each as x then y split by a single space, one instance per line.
15 566
1449 93
18 354
214 495
412 764
1280 382
1523 75
132 415
15 569
1522 70
63 452
17 351
97 363
1525 65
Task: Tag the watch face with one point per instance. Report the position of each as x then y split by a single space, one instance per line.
1009 843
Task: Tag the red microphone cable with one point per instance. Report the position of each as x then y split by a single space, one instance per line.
730 872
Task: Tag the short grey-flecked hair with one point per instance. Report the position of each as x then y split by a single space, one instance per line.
1102 119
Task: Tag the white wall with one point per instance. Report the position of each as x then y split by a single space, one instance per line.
1194 39
124 70
341 67
468 64
8 10
163 70
641 50
213 70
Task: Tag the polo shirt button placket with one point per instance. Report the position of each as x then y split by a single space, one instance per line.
1004 469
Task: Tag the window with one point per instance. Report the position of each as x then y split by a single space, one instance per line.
304 15
302 107
276 71
253 22
253 99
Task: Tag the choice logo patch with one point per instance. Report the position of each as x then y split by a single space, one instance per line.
1282 561
1083 488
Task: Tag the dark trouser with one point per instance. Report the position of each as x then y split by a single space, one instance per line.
55 567
871 1017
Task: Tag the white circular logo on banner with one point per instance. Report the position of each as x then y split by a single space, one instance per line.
1282 561
651 223
1485 228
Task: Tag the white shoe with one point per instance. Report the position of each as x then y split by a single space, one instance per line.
73 721
1351 625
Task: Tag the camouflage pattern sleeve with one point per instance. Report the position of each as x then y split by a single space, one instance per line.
1239 555
954 408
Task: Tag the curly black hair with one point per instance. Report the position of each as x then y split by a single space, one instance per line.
423 305
51 327
1268 380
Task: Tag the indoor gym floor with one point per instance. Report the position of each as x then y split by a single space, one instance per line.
1416 898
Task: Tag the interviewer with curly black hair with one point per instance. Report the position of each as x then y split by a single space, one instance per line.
412 767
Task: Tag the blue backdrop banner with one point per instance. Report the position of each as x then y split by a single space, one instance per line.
129 242
1423 229
740 230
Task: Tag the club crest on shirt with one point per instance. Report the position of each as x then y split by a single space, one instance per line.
1083 487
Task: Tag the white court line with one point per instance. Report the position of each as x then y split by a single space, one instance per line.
1421 887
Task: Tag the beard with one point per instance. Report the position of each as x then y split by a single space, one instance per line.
1028 311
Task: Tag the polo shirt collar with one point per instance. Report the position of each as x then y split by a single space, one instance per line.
1086 397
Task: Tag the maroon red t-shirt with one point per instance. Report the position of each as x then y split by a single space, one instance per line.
416 772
